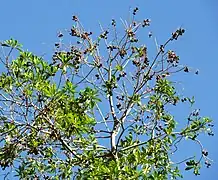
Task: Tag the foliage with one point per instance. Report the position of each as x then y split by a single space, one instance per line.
98 110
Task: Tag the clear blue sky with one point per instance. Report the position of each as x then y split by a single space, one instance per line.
36 23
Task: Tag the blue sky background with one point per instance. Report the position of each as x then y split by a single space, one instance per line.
35 24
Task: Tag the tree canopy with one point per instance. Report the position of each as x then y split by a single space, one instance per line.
100 108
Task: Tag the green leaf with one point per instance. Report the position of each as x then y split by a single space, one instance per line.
189 167
119 67
12 43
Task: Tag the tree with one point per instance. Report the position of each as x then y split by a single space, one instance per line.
100 109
